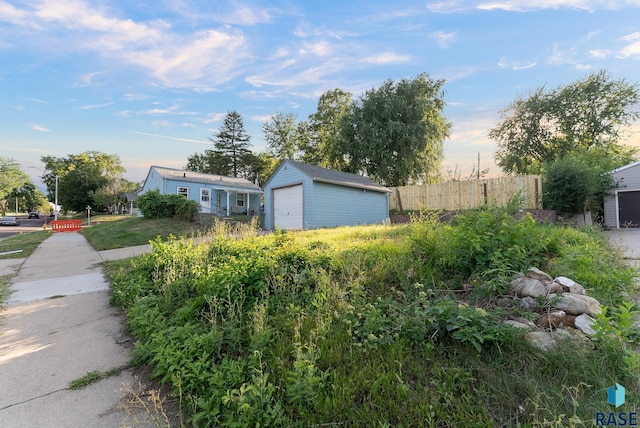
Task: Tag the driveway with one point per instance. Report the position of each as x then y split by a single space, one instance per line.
628 241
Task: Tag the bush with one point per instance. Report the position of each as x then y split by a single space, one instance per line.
154 205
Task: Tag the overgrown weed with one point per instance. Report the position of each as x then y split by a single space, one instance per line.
367 326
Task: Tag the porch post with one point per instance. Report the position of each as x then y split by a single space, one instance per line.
248 203
228 199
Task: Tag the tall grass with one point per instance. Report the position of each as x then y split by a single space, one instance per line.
370 326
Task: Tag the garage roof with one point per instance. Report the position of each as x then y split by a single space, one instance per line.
331 176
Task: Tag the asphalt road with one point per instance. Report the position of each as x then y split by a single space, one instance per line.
26 225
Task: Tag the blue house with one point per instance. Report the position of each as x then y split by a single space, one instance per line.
302 196
216 194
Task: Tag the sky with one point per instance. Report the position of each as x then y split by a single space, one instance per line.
151 80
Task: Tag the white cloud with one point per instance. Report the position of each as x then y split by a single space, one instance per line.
93 106
245 15
601 54
168 137
197 60
444 39
503 63
39 128
528 5
632 50
320 48
386 58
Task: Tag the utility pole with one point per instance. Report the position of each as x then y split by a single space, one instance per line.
478 165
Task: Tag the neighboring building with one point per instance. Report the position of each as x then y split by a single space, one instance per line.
622 207
216 194
302 196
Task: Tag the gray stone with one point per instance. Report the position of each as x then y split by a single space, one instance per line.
541 276
533 288
542 340
515 286
518 324
585 324
575 304
570 285
528 303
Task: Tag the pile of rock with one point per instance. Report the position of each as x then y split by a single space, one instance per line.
562 306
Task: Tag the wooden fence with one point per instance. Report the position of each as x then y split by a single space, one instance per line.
456 195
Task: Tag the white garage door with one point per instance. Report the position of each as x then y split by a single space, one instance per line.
287 207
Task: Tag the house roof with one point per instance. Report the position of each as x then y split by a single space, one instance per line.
332 176
233 183
622 168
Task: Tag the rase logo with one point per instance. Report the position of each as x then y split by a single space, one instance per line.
615 397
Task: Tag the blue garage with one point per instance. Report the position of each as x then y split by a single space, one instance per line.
303 196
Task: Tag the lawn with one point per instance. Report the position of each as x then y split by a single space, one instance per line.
27 242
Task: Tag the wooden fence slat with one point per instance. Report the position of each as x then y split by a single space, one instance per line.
456 195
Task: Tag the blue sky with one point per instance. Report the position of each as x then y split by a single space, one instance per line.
150 80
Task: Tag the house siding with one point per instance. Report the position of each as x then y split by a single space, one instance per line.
347 206
628 179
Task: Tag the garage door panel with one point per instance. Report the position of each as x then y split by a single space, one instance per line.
629 209
287 207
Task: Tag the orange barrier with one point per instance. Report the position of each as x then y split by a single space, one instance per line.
66 225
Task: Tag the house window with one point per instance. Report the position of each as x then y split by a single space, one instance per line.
240 199
205 195
184 191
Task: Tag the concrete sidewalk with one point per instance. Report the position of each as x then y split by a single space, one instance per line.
56 327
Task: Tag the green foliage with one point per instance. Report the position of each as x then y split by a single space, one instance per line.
483 244
78 176
395 133
360 327
592 114
11 178
154 205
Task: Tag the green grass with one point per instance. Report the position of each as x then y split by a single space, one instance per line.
109 232
27 242
91 378
366 326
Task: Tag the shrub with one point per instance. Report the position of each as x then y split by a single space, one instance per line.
153 205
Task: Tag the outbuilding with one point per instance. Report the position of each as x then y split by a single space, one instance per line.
217 194
303 196
622 206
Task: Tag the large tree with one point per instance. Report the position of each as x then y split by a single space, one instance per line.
282 135
11 178
78 176
395 134
233 141
320 142
594 113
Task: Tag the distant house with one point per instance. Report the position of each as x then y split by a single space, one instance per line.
302 196
622 207
216 194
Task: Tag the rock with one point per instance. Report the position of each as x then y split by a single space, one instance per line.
533 288
575 304
585 324
569 320
528 303
516 285
542 340
554 288
551 319
570 285
541 276
518 324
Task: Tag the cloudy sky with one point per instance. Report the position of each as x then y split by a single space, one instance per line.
150 80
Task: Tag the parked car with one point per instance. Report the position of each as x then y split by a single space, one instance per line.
34 215
10 221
